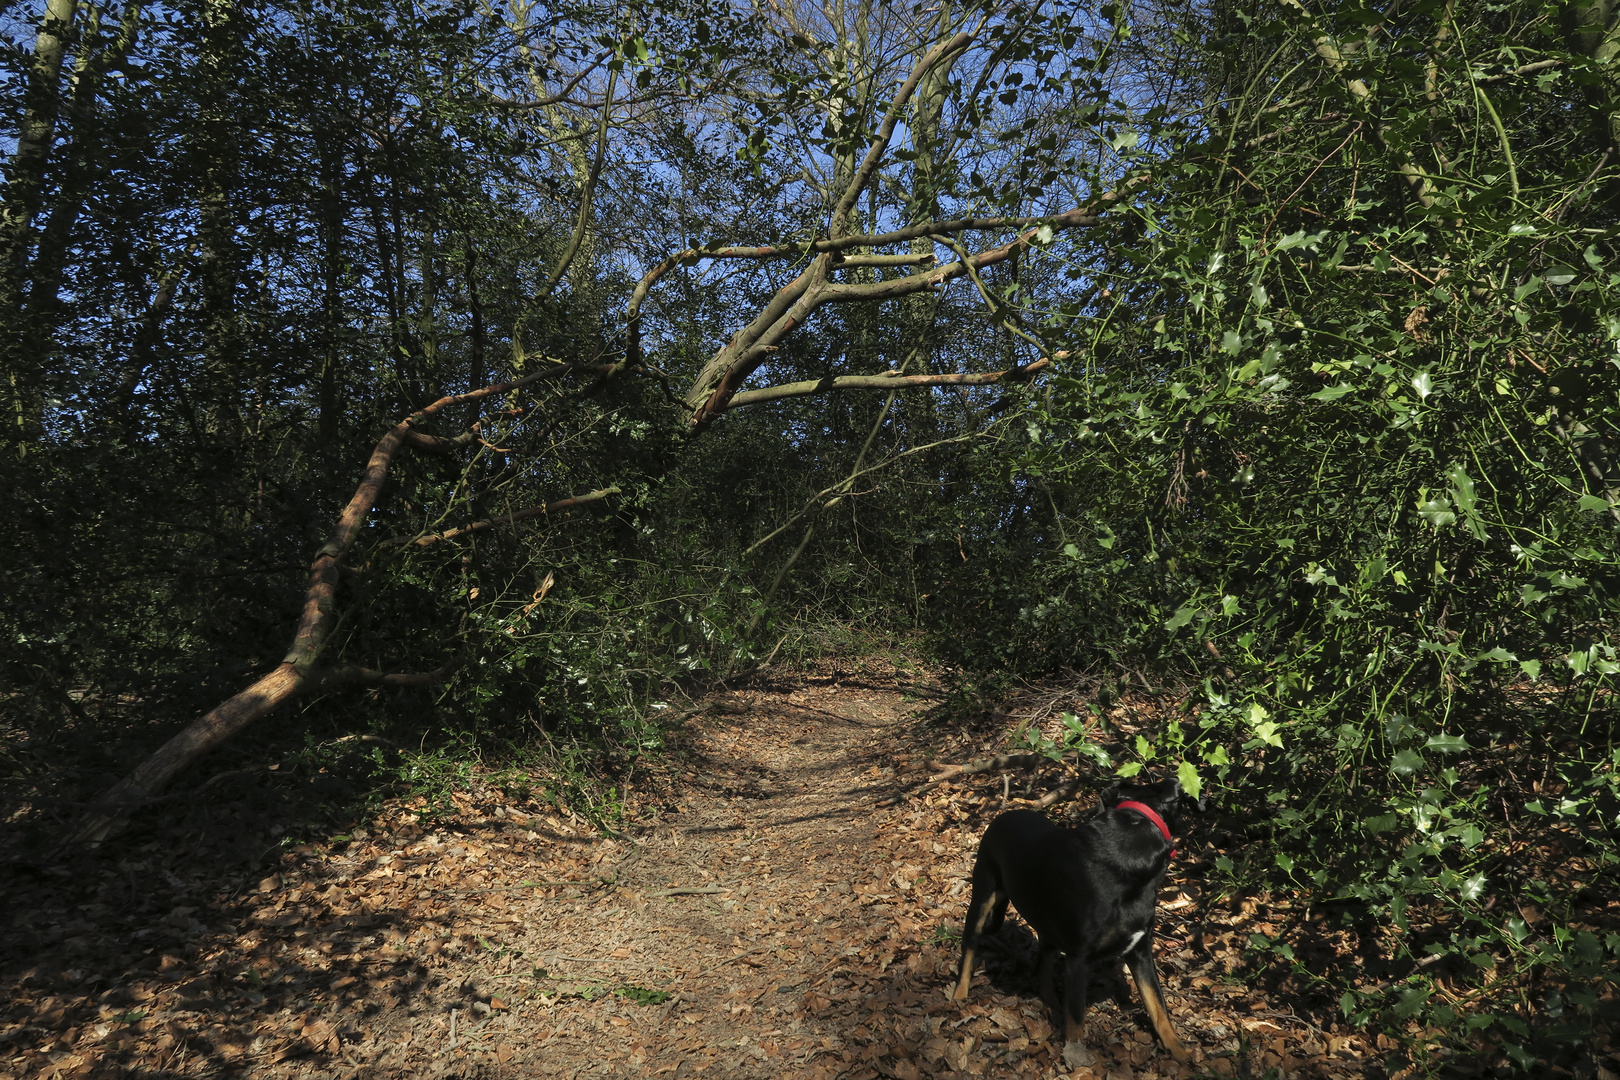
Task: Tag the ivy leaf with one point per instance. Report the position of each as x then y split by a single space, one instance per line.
1191 782
1462 488
1399 728
1406 762
1437 512
1411 1001
1593 502
1181 618
1299 239
1266 732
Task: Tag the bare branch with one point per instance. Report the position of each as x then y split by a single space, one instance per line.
840 489
587 190
115 805
890 381
1525 69
435 444
554 99
913 259
874 154
341 674
504 519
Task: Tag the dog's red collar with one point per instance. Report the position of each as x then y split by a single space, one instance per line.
1152 815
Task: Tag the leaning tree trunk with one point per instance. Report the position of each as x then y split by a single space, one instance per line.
300 669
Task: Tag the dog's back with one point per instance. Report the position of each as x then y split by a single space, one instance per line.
1088 890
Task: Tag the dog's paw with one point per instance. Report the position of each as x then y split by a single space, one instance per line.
1076 1056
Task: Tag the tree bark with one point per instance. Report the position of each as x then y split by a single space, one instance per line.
23 195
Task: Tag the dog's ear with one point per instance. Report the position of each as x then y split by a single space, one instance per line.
1110 796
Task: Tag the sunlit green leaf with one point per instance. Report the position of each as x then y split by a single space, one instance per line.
1593 502
1191 782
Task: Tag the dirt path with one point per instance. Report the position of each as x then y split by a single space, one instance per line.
782 916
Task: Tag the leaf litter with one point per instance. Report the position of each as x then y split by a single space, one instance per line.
787 903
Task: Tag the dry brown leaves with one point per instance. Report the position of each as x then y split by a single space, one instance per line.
765 917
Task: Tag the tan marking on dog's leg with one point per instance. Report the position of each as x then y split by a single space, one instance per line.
1161 1020
961 991
966 976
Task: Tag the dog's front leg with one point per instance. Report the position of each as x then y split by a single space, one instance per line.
1046 979
1076 982
984 908
1140 960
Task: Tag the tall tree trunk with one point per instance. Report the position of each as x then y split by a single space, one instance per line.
84 162
1592 28
24 192
427 324
332 265
475 311
216 152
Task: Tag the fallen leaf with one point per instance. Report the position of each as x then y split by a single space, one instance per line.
1075 1055
320 1036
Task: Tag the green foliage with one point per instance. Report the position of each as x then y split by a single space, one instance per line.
641 995
1340 439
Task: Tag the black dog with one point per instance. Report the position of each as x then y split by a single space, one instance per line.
1088 893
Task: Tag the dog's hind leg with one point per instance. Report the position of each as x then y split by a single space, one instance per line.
1146 975
986 908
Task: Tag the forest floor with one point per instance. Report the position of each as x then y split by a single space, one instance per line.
785 902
